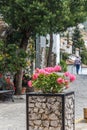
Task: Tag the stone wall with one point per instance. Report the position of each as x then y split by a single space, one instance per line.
50 112
69 112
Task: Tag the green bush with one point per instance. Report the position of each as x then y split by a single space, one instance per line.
63 65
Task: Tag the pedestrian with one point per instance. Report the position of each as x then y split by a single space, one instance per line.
77 64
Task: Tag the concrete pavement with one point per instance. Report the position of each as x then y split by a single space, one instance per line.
81 125
80 89
13 114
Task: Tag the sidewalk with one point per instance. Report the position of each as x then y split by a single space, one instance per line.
13 114
81 125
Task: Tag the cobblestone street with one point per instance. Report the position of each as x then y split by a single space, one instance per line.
13 114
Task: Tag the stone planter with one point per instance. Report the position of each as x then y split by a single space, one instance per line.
50 111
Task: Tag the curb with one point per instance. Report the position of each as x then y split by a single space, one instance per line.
78 120
19 97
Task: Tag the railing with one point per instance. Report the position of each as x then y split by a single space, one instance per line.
6 94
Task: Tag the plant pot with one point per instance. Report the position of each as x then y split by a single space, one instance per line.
29 89
50 111
23 90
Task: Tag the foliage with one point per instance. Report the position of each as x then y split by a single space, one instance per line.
6 83
65 55
28 18
35 17
48 80
63 65
2 83
84 56
78 11
11 58
25 79
78 42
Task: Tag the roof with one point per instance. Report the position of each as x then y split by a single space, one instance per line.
71 62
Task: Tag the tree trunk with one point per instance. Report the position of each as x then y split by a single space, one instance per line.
19 74
50 51
18 81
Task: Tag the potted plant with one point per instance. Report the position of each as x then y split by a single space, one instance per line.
51 107
49 81
25 79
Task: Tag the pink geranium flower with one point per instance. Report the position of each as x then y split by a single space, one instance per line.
49 69
57 68
37 70
60 80
30 83
72 77
67 74
48 79
66 82
35 76
42 71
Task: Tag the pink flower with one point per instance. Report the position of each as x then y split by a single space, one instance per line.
57 68
60 80
66 82
35 76
49 69
67 86
46 73
37 70
1 75
42 71
72 77
67 74
30 83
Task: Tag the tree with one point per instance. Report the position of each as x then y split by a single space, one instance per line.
26 18
78 42
66 14
84 56
11 58
23 24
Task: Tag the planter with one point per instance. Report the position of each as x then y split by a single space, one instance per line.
50 111
85 113
23 90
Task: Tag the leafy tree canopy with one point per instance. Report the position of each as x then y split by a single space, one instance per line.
29 18
26 18
77 38
11 58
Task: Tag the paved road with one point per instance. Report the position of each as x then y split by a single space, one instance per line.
13 114
80 88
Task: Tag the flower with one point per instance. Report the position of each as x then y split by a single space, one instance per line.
6 83
60 80
49 80
30 83
35 76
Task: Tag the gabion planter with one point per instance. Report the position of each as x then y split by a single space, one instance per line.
50 111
